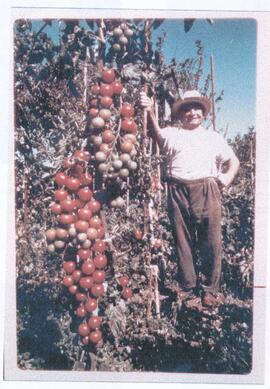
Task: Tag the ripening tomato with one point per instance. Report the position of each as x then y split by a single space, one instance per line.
95 222
99 276
86 179
73 289
106 101
93 112
82 154
101 232
117 87
85 194
81 311
99 246
67 205
128 125
137 234
108 136
126 146
100 261
73 183
127 293
60 179
60 194
80 296
83 329
158 244
93 103
91 305
76 275
108 75
81 225
84 254
127 110
66 218
88 267
61 233
123 281
97 290
56 208
67 281
92 233
86 282
106 90
50 234
84 213
95 89
94 322
95 336
94 205
69 267
85 340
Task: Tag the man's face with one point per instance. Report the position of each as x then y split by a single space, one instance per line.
191 116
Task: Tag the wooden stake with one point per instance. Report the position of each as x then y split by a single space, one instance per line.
213 92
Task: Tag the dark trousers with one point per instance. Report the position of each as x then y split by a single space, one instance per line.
195 210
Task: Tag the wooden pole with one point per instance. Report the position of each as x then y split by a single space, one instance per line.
213 92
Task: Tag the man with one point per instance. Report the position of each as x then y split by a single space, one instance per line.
201 162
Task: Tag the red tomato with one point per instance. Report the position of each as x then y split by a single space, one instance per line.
101 232
108 75
60 194
100 261
56 208
123 281
69 266
117 87
99 276
78 203
95 222
84 214
86 179
94 322
67 281
127 110
97 290
60 179
94 205
81 311
129 126
84 254
106 101
82 154
67 205
83 329
108 136
88 267
99 246
95 89
93 112
81 297
81 225
95 336
73 183
73 289
127 293
85 194
76 275
85 340
91 305
86 282
66 218
106 90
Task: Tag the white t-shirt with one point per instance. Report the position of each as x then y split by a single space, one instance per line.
195 154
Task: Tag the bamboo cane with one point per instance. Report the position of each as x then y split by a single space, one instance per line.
213 92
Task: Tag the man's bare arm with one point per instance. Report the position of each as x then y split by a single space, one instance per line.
147 103
232 169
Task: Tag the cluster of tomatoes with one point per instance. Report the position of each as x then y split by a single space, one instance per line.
81 235
122 34
113 132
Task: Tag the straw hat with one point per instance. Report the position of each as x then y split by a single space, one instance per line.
191 96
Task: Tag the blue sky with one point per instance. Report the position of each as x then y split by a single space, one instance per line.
232 42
